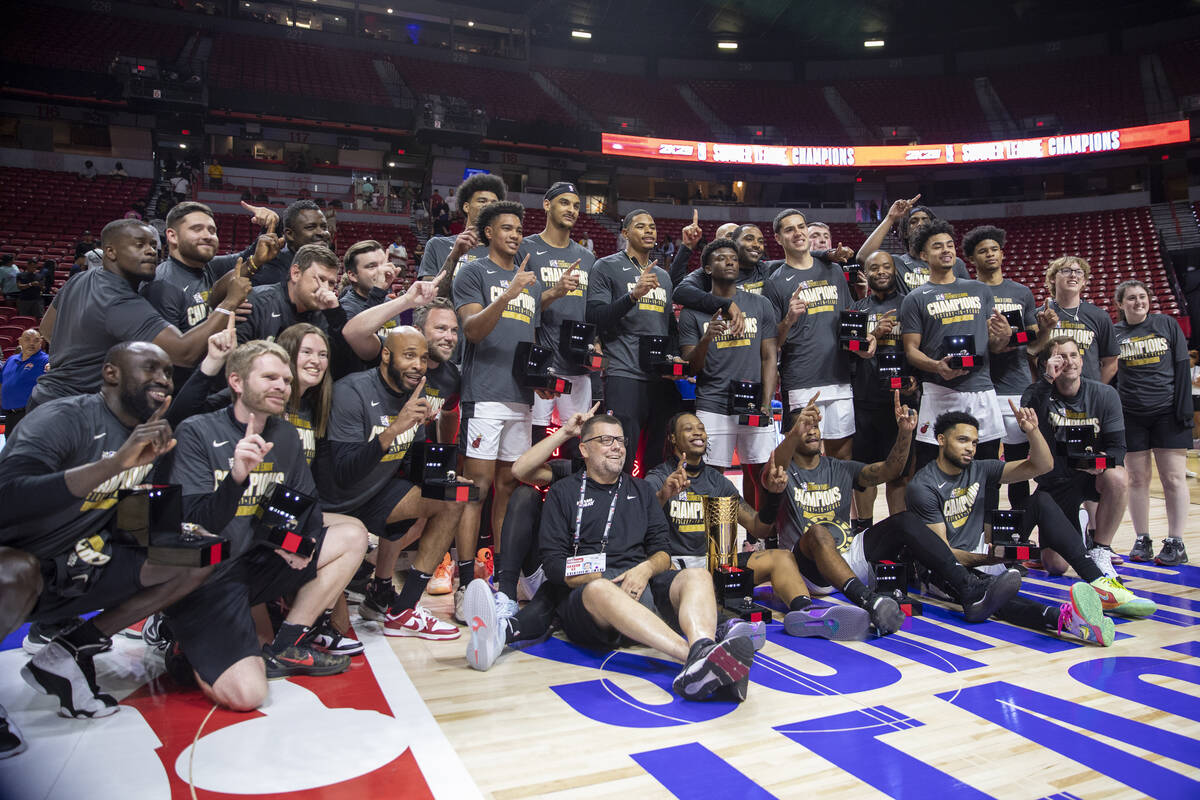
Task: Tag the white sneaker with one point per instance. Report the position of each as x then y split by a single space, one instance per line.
1102 558
505 606
417 621
487 628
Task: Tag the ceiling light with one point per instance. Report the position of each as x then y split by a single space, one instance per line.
727 45
873 43
581 34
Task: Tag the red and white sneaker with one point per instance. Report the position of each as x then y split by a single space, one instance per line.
483 565
417 621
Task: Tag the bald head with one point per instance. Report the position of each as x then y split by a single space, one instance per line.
30 341
137 379
122 353
726 230
404 359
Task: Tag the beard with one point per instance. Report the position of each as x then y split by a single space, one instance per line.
139 403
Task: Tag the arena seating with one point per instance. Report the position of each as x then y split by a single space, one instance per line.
515 97
1179 61
656 103
294 68
44 212
1085 93
798 110
81 40
940 109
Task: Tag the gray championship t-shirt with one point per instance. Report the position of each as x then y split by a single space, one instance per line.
63 434
1010 368
437 250
549 264
95 310
487 367
938 310
202 460
866 370
272 313
810 355
1092 330
819 496
1146 367
612 278
958 501
1096 405
363 407
729 358
912 273
180 293
685 511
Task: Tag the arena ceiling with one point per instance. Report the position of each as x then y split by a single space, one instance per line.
783 29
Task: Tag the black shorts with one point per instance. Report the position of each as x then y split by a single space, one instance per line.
111 585
374 511
1155 432
875 432
213 624
1070 494
581 628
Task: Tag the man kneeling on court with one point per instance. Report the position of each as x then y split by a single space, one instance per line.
228 462
603 535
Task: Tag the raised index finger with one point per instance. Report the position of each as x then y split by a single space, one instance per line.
695 217
524 262
896 393
574 266
271 225
158 414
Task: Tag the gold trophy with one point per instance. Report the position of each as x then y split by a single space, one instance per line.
734 586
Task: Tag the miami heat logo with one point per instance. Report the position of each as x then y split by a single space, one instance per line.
925 427
478 440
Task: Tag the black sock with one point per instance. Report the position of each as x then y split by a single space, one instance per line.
410 594
466 571
84 634
857 592
862 523
698 646
289 634
511 632
799 603
1050 616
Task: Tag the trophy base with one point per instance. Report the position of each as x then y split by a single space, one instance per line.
289 542
962 362
856 345
668 369
1017 552
747 609
756 420
550 383
1086 462
1018 338
909 605
892 383
592 362
211 550
451 491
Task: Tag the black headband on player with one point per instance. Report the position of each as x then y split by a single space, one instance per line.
562 187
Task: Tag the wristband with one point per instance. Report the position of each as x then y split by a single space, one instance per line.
770 507
223 310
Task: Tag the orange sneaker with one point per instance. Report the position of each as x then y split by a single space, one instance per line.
483 564
442 581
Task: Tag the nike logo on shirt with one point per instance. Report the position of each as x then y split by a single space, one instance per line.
99 435
492 271
274 315
220 444
374 403
789 278
542 252
940 485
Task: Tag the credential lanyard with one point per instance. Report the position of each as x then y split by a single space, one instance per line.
612 507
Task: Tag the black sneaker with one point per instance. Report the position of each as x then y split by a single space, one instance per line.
324 636
886 614
356 590
178 666
67 672
40 633
302 659
1143 548
1173 553
377 600
985 597
711 666
11 741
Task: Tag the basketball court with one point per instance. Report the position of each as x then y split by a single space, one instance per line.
941 708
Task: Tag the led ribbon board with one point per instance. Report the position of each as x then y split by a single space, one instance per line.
1072 144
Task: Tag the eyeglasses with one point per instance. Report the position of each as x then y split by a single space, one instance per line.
1071 271
607 440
